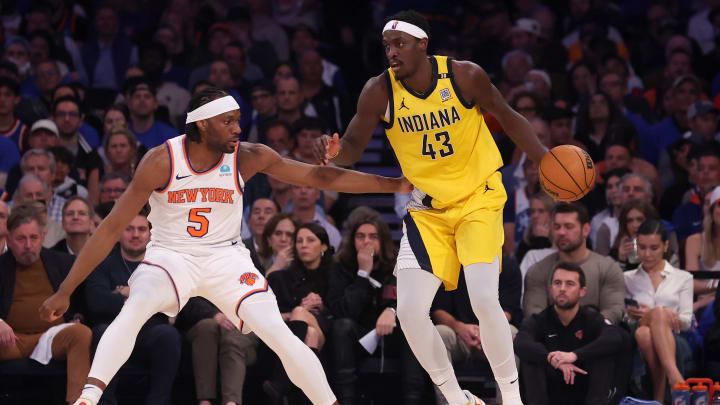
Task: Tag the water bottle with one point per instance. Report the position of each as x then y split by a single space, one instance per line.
681 394
633 257
700 395
715 399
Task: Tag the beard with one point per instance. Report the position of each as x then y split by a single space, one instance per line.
569 304
572 245
133 252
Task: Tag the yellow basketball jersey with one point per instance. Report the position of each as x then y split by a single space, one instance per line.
443 145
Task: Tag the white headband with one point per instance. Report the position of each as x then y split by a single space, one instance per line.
408 28
213 108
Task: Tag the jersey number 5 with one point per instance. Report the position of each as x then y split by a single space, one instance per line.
446 147
200 221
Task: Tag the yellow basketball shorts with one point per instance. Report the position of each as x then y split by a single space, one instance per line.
441 240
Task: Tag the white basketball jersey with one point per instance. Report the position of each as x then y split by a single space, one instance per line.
197 209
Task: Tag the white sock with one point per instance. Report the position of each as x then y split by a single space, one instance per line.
482 280
416 290
90 393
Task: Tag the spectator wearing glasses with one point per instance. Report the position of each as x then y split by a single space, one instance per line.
112 187
264 110
68 117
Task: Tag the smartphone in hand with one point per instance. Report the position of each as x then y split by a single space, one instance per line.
629 302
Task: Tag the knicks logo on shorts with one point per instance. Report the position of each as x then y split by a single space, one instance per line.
248 278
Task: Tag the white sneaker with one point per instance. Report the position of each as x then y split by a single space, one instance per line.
472 399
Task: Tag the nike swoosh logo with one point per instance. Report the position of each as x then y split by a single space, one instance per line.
553 335
514 381
178 177
234 243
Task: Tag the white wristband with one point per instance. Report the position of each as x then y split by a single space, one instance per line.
365 274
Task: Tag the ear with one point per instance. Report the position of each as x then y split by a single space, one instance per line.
586 230
202 126
583 291
423 43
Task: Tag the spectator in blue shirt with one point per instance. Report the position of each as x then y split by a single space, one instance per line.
142 104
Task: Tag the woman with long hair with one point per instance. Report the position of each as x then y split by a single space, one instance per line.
660 307
121 156
275 250
702 250
301 291
537 234
597 116
361 296
632 214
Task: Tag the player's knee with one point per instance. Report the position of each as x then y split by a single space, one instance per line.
410 315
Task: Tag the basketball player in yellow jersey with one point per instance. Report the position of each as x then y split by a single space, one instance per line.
431 108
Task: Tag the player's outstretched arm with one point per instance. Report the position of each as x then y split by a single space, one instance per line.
347 150
147 178
474 81
322 177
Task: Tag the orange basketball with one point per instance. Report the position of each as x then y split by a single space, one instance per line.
567 173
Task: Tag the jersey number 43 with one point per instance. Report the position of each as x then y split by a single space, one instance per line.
445 148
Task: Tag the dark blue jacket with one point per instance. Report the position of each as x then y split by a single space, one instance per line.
121 53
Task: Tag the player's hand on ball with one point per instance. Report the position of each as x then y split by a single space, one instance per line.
54 307
385 323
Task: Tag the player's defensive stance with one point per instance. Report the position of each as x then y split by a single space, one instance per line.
194 184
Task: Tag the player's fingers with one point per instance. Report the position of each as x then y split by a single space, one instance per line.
579 370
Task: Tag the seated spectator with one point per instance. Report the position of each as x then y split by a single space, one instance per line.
613 199
10 126
662 309
4 213
76 91
107 56
605 284
513 174
289 100
280 192
624 249
220 77
582 79
537 234
516 215
634 108
261 211
305 209
158 343
77 223
679 175
457 324
619 154
121 152
361 297
64 185
33 189
687 218
141 102
632 187
597 117
262 97
30 275
301 291
702 251
567 352
278 138
112 186
275 250
68 117
515 65
306 130
43 134
42 164
560 117
684 92
325 102
217 344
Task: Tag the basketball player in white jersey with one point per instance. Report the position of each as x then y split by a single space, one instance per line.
194 185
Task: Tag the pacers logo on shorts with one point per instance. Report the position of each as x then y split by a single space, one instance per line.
248 278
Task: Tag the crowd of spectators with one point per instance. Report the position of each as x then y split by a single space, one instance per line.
599 293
